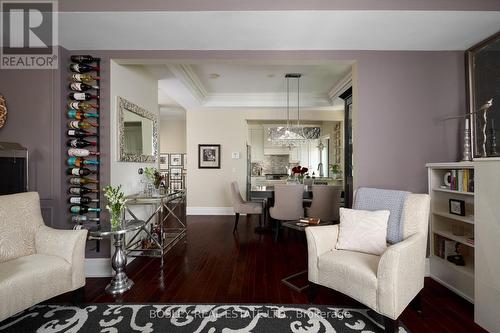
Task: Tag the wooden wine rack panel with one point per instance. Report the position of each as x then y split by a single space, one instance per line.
97 148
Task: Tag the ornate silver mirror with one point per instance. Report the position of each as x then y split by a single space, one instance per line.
138 133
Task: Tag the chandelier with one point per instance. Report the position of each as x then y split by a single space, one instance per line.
291 135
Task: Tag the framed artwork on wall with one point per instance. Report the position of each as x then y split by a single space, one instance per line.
176 160
208 156
163 161
175 174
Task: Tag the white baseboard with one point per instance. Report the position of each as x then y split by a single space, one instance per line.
209 211
98 267
427 267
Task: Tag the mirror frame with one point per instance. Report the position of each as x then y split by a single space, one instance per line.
471 98
123 105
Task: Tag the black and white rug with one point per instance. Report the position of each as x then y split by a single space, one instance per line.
145 318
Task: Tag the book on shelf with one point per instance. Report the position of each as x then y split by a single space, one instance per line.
470 240
461 180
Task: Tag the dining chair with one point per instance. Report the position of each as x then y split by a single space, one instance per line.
243 207
325 202
287 204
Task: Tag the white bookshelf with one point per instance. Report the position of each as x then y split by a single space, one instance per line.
460 279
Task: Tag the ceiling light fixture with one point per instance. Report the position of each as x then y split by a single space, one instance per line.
292 135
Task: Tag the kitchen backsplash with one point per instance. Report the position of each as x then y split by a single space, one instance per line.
275 164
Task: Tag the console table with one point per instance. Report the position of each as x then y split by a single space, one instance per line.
169 208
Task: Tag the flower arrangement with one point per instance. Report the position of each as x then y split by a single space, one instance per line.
154 176
299 170
116 202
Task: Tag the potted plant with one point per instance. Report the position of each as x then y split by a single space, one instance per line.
336 171
116 203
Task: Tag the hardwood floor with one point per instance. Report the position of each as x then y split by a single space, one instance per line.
215 266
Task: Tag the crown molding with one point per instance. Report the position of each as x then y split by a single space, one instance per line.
341 86
268 100
185 74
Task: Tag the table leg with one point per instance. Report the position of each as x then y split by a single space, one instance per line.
120 282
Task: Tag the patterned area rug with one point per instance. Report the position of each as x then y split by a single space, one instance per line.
111 318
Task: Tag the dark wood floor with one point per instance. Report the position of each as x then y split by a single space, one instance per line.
215 266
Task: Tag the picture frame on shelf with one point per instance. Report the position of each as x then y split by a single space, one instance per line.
176 160
164 161
457 207
209 156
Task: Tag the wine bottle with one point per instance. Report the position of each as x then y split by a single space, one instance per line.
82 96
80 143
82 209
77 133
83 218
84 78
81 200
77 86
79 171
83 59
76 124
79 161
82 181
79 115
81 190
82 68
79 152
82 106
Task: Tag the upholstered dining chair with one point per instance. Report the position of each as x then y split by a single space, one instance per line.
243 207
325 202
287 204
385 283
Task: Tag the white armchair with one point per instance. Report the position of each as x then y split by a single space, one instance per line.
36 262
386 283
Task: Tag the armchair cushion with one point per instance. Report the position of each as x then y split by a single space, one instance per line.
379 199
31 279
20 218
363 231
352 273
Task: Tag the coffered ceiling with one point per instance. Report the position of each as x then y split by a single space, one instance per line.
249 85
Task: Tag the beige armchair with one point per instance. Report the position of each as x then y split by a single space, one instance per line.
36 262
385 283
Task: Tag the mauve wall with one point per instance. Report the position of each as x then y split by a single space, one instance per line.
400 97
32 98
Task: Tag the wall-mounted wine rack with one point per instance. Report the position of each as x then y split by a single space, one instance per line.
83 160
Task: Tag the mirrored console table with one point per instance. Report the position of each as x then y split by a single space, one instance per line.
164 227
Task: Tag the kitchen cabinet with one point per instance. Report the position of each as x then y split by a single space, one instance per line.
257 144
295 155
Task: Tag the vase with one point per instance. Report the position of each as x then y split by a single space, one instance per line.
116 218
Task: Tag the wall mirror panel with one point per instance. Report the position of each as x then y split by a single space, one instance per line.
138 133
484 97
